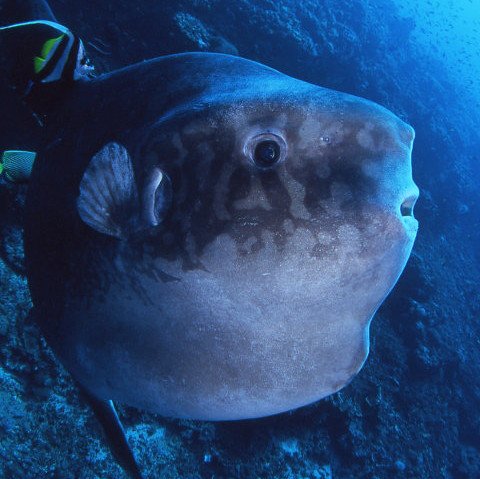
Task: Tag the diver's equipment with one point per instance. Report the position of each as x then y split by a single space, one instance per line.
16 165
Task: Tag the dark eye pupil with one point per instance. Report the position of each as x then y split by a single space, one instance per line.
267 153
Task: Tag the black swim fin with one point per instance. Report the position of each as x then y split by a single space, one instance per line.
115 434
17 11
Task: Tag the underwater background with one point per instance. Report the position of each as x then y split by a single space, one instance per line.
412 412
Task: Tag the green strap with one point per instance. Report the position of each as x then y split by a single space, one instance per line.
17 165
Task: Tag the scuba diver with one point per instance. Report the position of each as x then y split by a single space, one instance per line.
40 60
40 54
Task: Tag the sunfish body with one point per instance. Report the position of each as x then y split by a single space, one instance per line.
208 238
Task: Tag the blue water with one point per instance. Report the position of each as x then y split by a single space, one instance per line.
412 412
450 32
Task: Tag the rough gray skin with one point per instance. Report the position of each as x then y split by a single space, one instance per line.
255 293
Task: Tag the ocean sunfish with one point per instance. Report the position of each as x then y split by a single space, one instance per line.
208 238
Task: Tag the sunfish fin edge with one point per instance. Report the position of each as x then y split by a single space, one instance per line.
115 434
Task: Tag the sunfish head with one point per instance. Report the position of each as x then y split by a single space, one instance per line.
289 219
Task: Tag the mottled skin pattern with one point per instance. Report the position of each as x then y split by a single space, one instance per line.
255 293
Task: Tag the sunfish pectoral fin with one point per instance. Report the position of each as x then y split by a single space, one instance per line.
109 201
108 418
108 197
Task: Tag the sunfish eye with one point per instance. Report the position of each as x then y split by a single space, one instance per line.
267 153
266 150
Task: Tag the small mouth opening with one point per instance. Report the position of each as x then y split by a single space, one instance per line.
406 208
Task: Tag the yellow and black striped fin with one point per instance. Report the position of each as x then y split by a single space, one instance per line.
43 52
48 49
